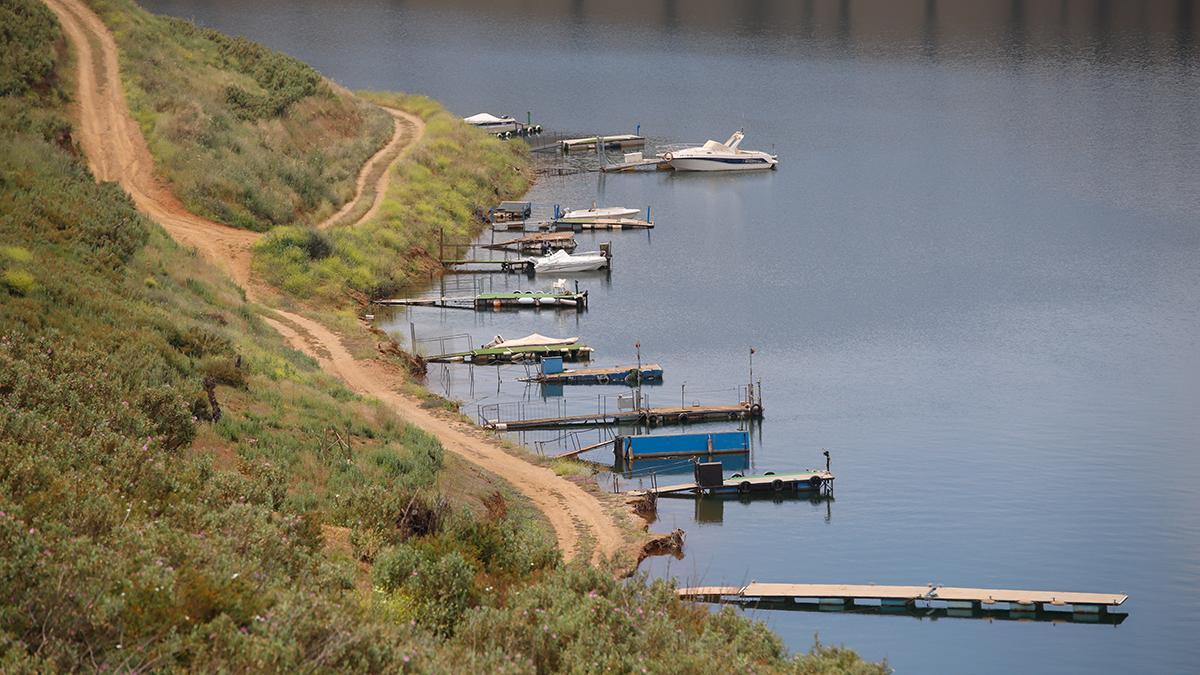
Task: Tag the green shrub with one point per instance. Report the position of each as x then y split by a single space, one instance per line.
17 281
395 567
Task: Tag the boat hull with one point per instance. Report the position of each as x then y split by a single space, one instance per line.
722 163
588 216
497 127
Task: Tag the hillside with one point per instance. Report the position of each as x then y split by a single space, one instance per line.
180 490
244 135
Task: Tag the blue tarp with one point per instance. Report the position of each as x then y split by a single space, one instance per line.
685 444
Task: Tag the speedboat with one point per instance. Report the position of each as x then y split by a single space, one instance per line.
593 214
716 156
561 261
491 123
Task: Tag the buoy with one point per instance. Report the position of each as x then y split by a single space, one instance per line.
777 485
815 482
668 156
602 378
683 418
756 410
525 300
744 487
496 304
548 301
567 302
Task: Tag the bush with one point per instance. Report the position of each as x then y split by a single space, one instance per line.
17 282
395 566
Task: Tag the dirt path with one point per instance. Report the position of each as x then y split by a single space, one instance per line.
116 151
407 129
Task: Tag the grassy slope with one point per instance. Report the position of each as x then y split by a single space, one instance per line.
140 534
246 136
451 173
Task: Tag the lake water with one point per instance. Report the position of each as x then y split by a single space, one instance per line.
974 278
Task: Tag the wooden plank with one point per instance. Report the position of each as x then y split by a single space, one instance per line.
946 593
580 451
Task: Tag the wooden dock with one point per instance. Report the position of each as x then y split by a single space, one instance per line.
804 481
516 265
952 597
496 301
630 375
600 224
644 164
649 416
614 142
537 242
493 355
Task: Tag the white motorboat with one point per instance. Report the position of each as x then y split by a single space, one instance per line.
716 156
491 123
561 261
593 214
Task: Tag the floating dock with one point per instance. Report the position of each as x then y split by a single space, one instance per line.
669 446
650 416
516 265
600 224
494 355
495 301
614 142
631 375
803 481
846 596
537 241
634 161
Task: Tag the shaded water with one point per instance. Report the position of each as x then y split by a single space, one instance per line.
975 279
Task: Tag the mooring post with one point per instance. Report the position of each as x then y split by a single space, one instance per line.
412 335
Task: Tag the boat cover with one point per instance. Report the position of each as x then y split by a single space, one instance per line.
485 118
561 261
534 340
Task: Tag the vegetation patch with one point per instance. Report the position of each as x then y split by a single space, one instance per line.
436 191
245 135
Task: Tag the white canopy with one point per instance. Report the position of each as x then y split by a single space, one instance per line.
534 340
485 118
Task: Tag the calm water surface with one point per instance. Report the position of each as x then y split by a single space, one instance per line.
975 279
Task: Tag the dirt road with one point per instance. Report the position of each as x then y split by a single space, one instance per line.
116 151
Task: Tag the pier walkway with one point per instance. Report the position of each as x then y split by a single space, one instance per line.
904 596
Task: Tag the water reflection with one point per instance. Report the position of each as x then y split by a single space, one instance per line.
710 509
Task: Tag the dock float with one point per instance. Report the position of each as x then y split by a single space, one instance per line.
649 416
615 142
835 597
496 301
552 373
494 355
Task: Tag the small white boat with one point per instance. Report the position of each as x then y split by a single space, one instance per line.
491 123
716 156
593 214
561 261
